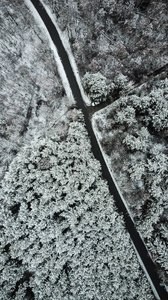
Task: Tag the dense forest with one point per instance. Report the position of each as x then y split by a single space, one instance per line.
61 236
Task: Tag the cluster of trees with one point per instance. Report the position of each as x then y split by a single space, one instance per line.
99 89
143 151
153 108
96 87
61 236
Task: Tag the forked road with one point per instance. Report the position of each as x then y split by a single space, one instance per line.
147 263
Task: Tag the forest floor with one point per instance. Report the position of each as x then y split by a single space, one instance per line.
33 100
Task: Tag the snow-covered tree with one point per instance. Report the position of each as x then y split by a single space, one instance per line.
121 82
96 87
138 142
137 171
154 107
61 236
126 116
158 110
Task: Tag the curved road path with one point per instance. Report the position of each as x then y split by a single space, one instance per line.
148 264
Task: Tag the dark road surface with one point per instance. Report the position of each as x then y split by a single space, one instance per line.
141 249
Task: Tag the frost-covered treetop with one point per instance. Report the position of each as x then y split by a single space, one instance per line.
154 107
61 236
96 86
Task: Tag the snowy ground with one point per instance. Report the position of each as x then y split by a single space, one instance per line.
33 100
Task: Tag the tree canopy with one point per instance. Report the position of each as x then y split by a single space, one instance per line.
61 236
